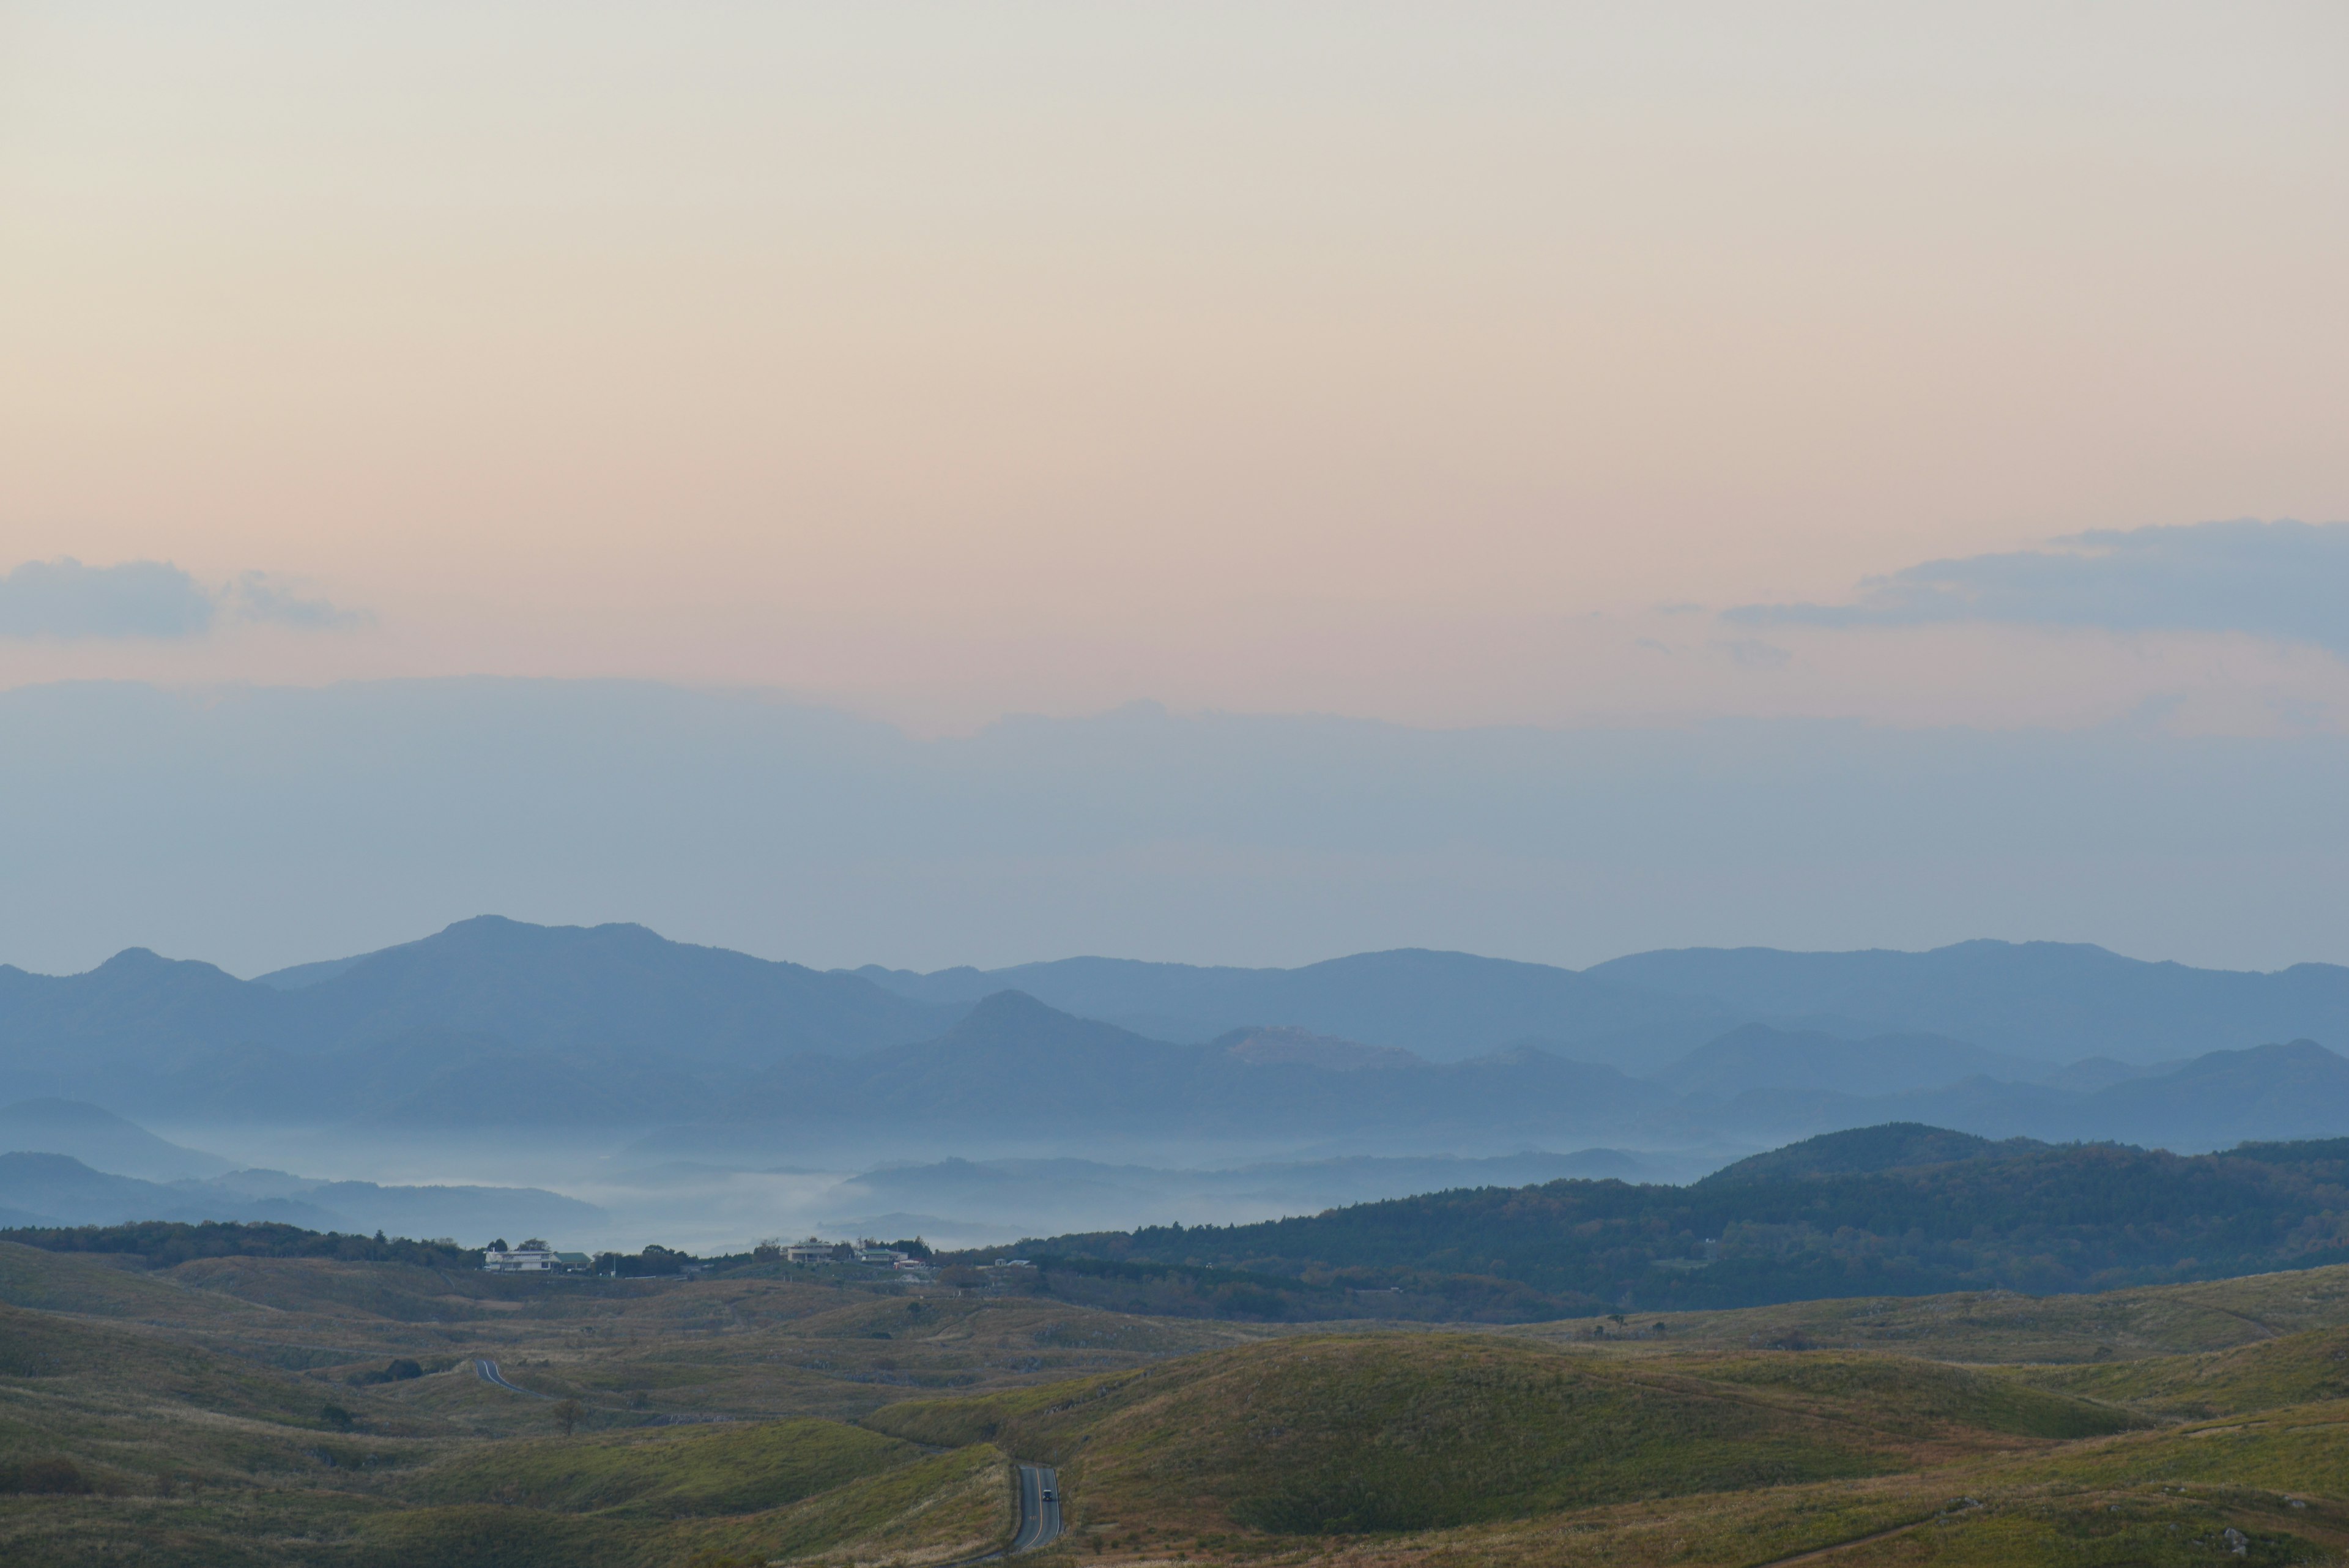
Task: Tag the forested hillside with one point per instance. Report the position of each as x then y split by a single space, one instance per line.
2015 1216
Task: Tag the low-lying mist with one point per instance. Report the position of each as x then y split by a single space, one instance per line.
970 1192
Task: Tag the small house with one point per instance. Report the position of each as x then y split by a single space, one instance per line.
533 1256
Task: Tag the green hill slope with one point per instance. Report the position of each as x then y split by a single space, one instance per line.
1414 1432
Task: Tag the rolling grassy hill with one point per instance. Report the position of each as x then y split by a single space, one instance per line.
1469 1451
1321 1436
206 1411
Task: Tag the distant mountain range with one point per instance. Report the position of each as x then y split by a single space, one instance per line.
525 987
2041 1002
497 1023
1444 1006
2051 1001
1014 1063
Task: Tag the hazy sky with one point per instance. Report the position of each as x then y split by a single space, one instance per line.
1446 363
263 828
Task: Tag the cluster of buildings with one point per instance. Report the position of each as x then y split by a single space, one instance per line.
536 1257
816 1251
533 1256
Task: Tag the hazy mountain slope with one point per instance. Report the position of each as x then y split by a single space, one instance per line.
472 1213
1444 1006
64 1192
61 1189
1302 1047
2299 1090
134 1007
1016 1061
99 1138
602 985
2268 1092
2213 1101
433 1077
1760 1057
2044 1002
301 974
106 1033
2048 1000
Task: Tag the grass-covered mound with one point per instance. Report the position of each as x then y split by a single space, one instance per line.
666 1472
939 1509
1415 1432
2293 1370
787 1489
100 1370
1897 1395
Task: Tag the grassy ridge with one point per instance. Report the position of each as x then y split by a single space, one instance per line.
948 1506
63 1360
2175 1414
666 1473
776 1489
2297 1369
1406 1432
1917 1398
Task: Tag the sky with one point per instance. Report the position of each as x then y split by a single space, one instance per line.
1449 364
1585 368
259 827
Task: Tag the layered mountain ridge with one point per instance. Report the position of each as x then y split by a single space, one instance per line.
496 1022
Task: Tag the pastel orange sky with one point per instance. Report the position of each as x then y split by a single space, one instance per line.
1398 361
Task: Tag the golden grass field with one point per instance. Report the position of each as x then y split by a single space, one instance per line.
205 1414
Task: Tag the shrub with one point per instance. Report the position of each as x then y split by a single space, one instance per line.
51 1476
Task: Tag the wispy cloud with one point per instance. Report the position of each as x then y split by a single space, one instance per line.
1752 653
263 597
2288 581
65 600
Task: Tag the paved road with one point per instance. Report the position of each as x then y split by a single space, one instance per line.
490 1373
1039 1517
1039 1509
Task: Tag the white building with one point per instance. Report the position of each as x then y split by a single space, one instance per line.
531 1257
808 1251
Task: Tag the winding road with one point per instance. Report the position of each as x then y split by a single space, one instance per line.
490 1373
